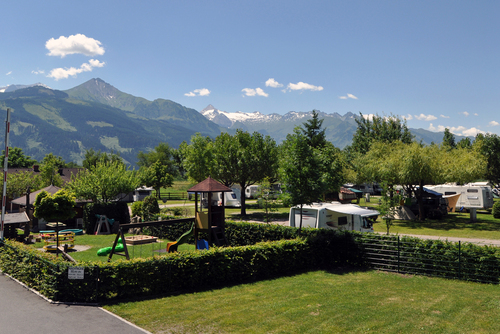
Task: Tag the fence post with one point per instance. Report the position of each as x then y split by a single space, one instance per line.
459 260
398 253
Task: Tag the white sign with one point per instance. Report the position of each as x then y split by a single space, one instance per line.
76 273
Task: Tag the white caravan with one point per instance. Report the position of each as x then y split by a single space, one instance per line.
471 196
334 215
251 191
230 199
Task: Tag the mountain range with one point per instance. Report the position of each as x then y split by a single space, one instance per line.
97 115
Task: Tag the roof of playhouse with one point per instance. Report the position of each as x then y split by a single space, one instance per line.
209 185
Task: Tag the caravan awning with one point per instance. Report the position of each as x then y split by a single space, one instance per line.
352 209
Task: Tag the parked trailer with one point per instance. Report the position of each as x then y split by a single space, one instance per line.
471 196
334 215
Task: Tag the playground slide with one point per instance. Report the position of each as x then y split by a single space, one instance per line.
172 246
106 250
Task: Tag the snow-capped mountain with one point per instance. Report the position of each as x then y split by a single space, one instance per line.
227 119
339 129
11 88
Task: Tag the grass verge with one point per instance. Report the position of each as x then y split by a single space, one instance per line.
325 302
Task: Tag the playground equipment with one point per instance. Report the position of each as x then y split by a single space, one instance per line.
172 246
211 222
103 222
66 240
106 250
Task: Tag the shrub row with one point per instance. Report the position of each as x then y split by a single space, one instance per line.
181 271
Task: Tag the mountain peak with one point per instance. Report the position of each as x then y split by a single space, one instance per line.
207 108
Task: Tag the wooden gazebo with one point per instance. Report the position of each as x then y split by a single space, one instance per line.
211 221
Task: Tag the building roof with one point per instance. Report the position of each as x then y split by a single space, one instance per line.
64 173
16 218
209 185
50 189
22 200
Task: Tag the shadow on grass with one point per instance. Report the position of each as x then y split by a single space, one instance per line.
454 221
343 270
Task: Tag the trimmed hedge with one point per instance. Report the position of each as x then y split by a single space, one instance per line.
182 271
264 254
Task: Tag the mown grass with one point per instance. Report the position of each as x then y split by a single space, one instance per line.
325 302
96 242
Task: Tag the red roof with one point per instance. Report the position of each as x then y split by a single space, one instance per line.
209 185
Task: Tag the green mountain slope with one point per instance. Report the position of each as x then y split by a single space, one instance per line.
96 90
49 121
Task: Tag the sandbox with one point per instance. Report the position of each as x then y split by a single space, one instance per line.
140 239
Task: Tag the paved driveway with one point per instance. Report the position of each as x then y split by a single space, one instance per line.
24 312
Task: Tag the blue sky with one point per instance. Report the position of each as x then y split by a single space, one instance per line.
433 62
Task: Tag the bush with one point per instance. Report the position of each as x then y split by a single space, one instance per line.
136 209
150 207
496 210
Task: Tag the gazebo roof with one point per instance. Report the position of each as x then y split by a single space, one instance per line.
209 185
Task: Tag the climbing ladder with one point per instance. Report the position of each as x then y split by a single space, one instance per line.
219 237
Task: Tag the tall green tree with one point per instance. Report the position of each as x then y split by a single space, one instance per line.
300 171
18 183
104 182
198 157
49 170
377 128
250 159
17 159
449 139
161 153
489 146
92 157
157 176
312 130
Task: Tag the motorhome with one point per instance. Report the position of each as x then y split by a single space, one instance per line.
471 196
230 199
334 215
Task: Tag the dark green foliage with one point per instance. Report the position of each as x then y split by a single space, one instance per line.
150 207
496 210
113 210
267 251
136 208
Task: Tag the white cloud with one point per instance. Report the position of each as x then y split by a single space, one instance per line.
8 73
472 132
368 116
199 92
78 43
273 83
476 114
408 117
303 86
254 92
64 73
465 113
38 72
443 116
423 117
348 96
459 130
493 123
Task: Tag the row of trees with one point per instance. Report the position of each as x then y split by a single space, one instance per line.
306 164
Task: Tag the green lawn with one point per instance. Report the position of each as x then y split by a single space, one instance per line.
326 302
96 242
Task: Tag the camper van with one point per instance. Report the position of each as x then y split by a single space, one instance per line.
471 196
335 216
